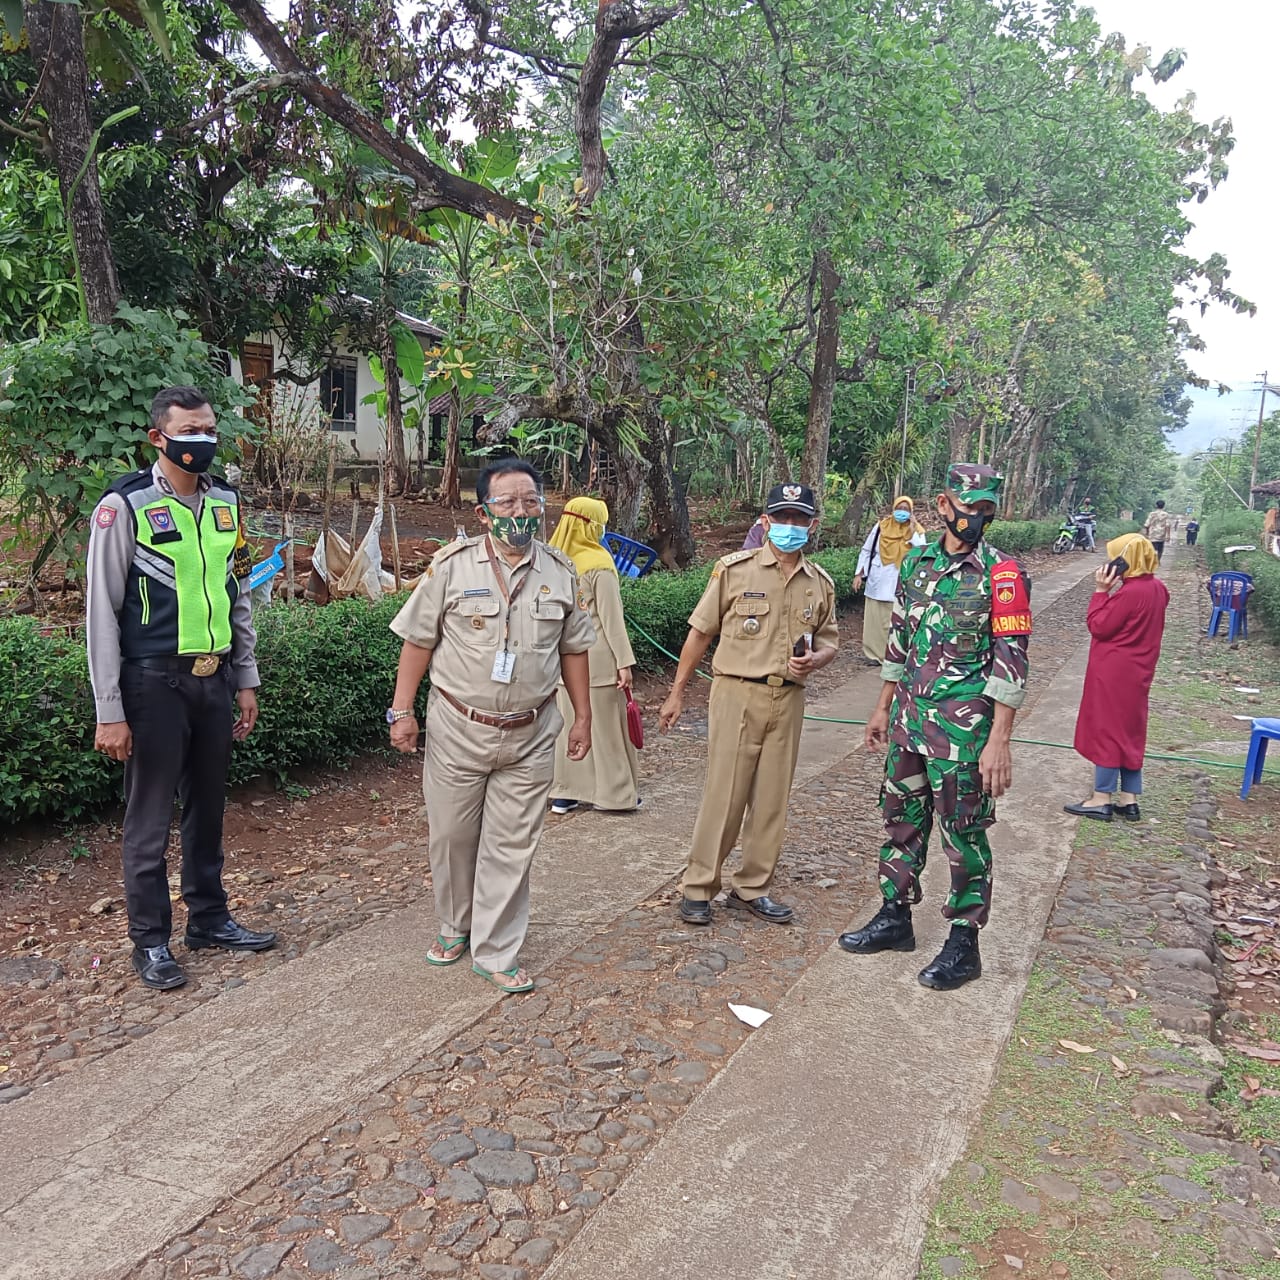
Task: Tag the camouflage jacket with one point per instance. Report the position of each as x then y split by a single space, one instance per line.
947 664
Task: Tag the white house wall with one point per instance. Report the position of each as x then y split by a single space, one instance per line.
367 438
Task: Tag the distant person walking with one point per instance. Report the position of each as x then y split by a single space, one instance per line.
1193 528
607 778
1157 528
1271 530
882 554
1126 621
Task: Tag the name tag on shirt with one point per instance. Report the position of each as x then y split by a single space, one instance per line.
478 591
755 595
504 664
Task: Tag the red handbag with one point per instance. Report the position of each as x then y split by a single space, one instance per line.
635 722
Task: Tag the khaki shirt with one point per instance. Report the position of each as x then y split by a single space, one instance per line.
598 590
759 616
458 611
1159 522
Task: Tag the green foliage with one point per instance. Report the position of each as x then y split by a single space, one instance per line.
73 415
1016 536
1237 528
48 767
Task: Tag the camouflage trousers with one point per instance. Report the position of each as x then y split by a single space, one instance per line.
916 789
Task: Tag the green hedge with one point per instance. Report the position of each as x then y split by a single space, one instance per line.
1244 527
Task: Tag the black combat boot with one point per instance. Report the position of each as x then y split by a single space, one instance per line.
888 930
957 963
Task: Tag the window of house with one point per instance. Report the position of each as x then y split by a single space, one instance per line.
338 393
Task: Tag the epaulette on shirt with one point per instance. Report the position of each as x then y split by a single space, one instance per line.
823 573
556 554
444 552
736 557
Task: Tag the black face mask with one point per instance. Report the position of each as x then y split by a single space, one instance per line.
967 526
191 453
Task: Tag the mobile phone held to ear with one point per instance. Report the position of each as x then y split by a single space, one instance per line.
1119 566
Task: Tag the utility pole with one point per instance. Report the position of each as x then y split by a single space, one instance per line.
1257 439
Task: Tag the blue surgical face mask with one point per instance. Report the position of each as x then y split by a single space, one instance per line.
788 537
902 516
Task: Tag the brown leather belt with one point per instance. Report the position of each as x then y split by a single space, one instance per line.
514 720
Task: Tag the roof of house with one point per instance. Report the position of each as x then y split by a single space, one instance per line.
1271 488
424 328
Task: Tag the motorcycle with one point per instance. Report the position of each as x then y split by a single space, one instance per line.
1076 534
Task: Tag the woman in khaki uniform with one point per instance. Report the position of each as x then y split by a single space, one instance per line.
607 778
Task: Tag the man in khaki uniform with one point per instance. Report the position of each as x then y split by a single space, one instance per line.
774 612
498 622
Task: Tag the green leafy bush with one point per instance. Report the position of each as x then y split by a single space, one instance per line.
73 416
1236 528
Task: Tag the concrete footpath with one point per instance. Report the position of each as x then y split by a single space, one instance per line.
884 1080
109 1163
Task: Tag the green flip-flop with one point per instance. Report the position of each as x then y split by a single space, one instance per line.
510 987
448 944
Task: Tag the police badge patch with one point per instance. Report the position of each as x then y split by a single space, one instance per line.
160 520
224 519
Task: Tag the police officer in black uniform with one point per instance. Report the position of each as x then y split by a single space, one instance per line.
170 641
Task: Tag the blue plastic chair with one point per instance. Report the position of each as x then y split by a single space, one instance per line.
1264 730
268 569
633 559
1230 595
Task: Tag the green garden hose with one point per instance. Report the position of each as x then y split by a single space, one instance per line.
1026 742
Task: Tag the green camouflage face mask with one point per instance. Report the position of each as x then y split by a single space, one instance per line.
515 531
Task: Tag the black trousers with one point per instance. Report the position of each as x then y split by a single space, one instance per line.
181 728
1159 546
1191 537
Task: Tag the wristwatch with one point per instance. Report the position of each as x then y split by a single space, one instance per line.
393 715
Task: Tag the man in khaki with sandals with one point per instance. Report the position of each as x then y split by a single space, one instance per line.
498 621
774 612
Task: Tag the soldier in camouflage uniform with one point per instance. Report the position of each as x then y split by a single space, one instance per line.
955 672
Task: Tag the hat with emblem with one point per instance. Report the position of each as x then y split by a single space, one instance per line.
974 482
791 497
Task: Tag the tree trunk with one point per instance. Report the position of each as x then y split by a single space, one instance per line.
626 492
817 436
670 534
397 462
450 492
56 36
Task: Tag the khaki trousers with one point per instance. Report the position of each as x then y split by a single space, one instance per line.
753 740
876 617
486 791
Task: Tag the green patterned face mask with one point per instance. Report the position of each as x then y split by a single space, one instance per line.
515 531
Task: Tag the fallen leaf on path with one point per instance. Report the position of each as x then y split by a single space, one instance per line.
294 871
1076 1047
1131 993
1011 1261
1252 1088
1252 1051
101 907
1120 1065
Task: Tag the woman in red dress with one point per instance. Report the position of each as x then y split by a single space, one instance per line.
1126 621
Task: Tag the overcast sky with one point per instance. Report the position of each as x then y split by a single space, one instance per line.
1233 67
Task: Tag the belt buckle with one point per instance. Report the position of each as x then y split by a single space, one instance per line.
205 665
774 682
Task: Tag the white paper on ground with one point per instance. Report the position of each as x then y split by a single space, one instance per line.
752 1017
1244 688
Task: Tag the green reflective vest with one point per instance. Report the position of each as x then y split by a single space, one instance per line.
182 583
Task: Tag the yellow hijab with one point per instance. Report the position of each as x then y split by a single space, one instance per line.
895 538
1140 554
579 532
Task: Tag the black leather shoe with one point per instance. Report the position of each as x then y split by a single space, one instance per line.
763 906
157 968
695 912
888 930
1129 812
1099 812
957 963
230 937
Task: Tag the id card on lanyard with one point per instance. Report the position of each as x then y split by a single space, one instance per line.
504 661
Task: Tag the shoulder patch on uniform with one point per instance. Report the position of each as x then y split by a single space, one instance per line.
106 517
449 549
556 554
